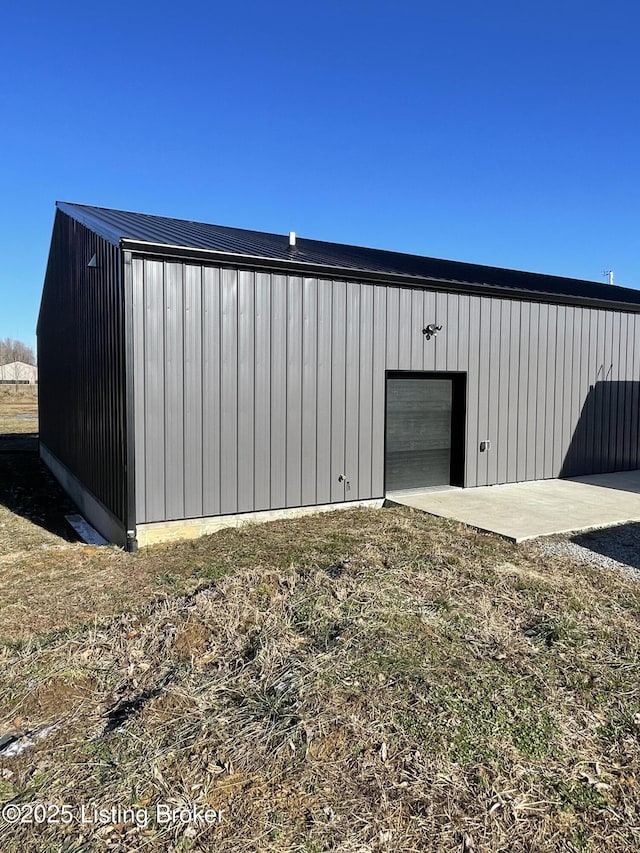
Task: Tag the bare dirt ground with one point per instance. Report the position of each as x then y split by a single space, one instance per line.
360 681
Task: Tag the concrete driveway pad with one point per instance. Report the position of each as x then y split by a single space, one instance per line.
522 511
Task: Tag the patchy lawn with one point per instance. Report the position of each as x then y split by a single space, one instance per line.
358 681
18 409
48 581
28 497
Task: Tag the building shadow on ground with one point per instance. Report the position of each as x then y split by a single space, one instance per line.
28 489
621 543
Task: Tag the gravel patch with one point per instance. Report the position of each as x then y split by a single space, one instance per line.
615 548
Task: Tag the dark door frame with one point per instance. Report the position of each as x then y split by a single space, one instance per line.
458 416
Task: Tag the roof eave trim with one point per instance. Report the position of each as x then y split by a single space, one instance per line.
294 265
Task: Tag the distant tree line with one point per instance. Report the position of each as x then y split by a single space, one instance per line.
13 350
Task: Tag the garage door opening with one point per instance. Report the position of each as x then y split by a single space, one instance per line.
425 414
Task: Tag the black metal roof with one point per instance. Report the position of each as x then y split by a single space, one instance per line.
143 232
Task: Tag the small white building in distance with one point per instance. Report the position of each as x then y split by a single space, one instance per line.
18 373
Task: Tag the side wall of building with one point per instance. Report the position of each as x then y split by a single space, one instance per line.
81 373
18 373
256 390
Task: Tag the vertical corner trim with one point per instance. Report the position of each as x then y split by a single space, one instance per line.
129 426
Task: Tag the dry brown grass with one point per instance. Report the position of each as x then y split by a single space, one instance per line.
20 475
363 681
18 409
54 588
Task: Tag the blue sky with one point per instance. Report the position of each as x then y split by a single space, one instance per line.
497 133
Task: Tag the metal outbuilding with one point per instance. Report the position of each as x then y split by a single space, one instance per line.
194 376
18 373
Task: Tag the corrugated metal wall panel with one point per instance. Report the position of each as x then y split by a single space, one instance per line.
547 433
496 400
504 308
594 361
483 375
473 389
246 391
631 400
277 386
309 441
154 366
621 370
442 317
511 385
611 397
380 297
139 354
278 390
615 392
429 316
392 323
262 437
365 401
193 383
229 392
454 330
523 390
293 447
81 354
352 393
325 348
174 387
337 401
603 373
587 323
557 389
635 400
610 401
417 312
211 398
531 424
569 391
405 316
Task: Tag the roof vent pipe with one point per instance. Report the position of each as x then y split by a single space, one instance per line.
292 239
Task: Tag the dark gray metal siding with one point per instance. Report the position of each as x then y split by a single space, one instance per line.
256 391
81 362
418 451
